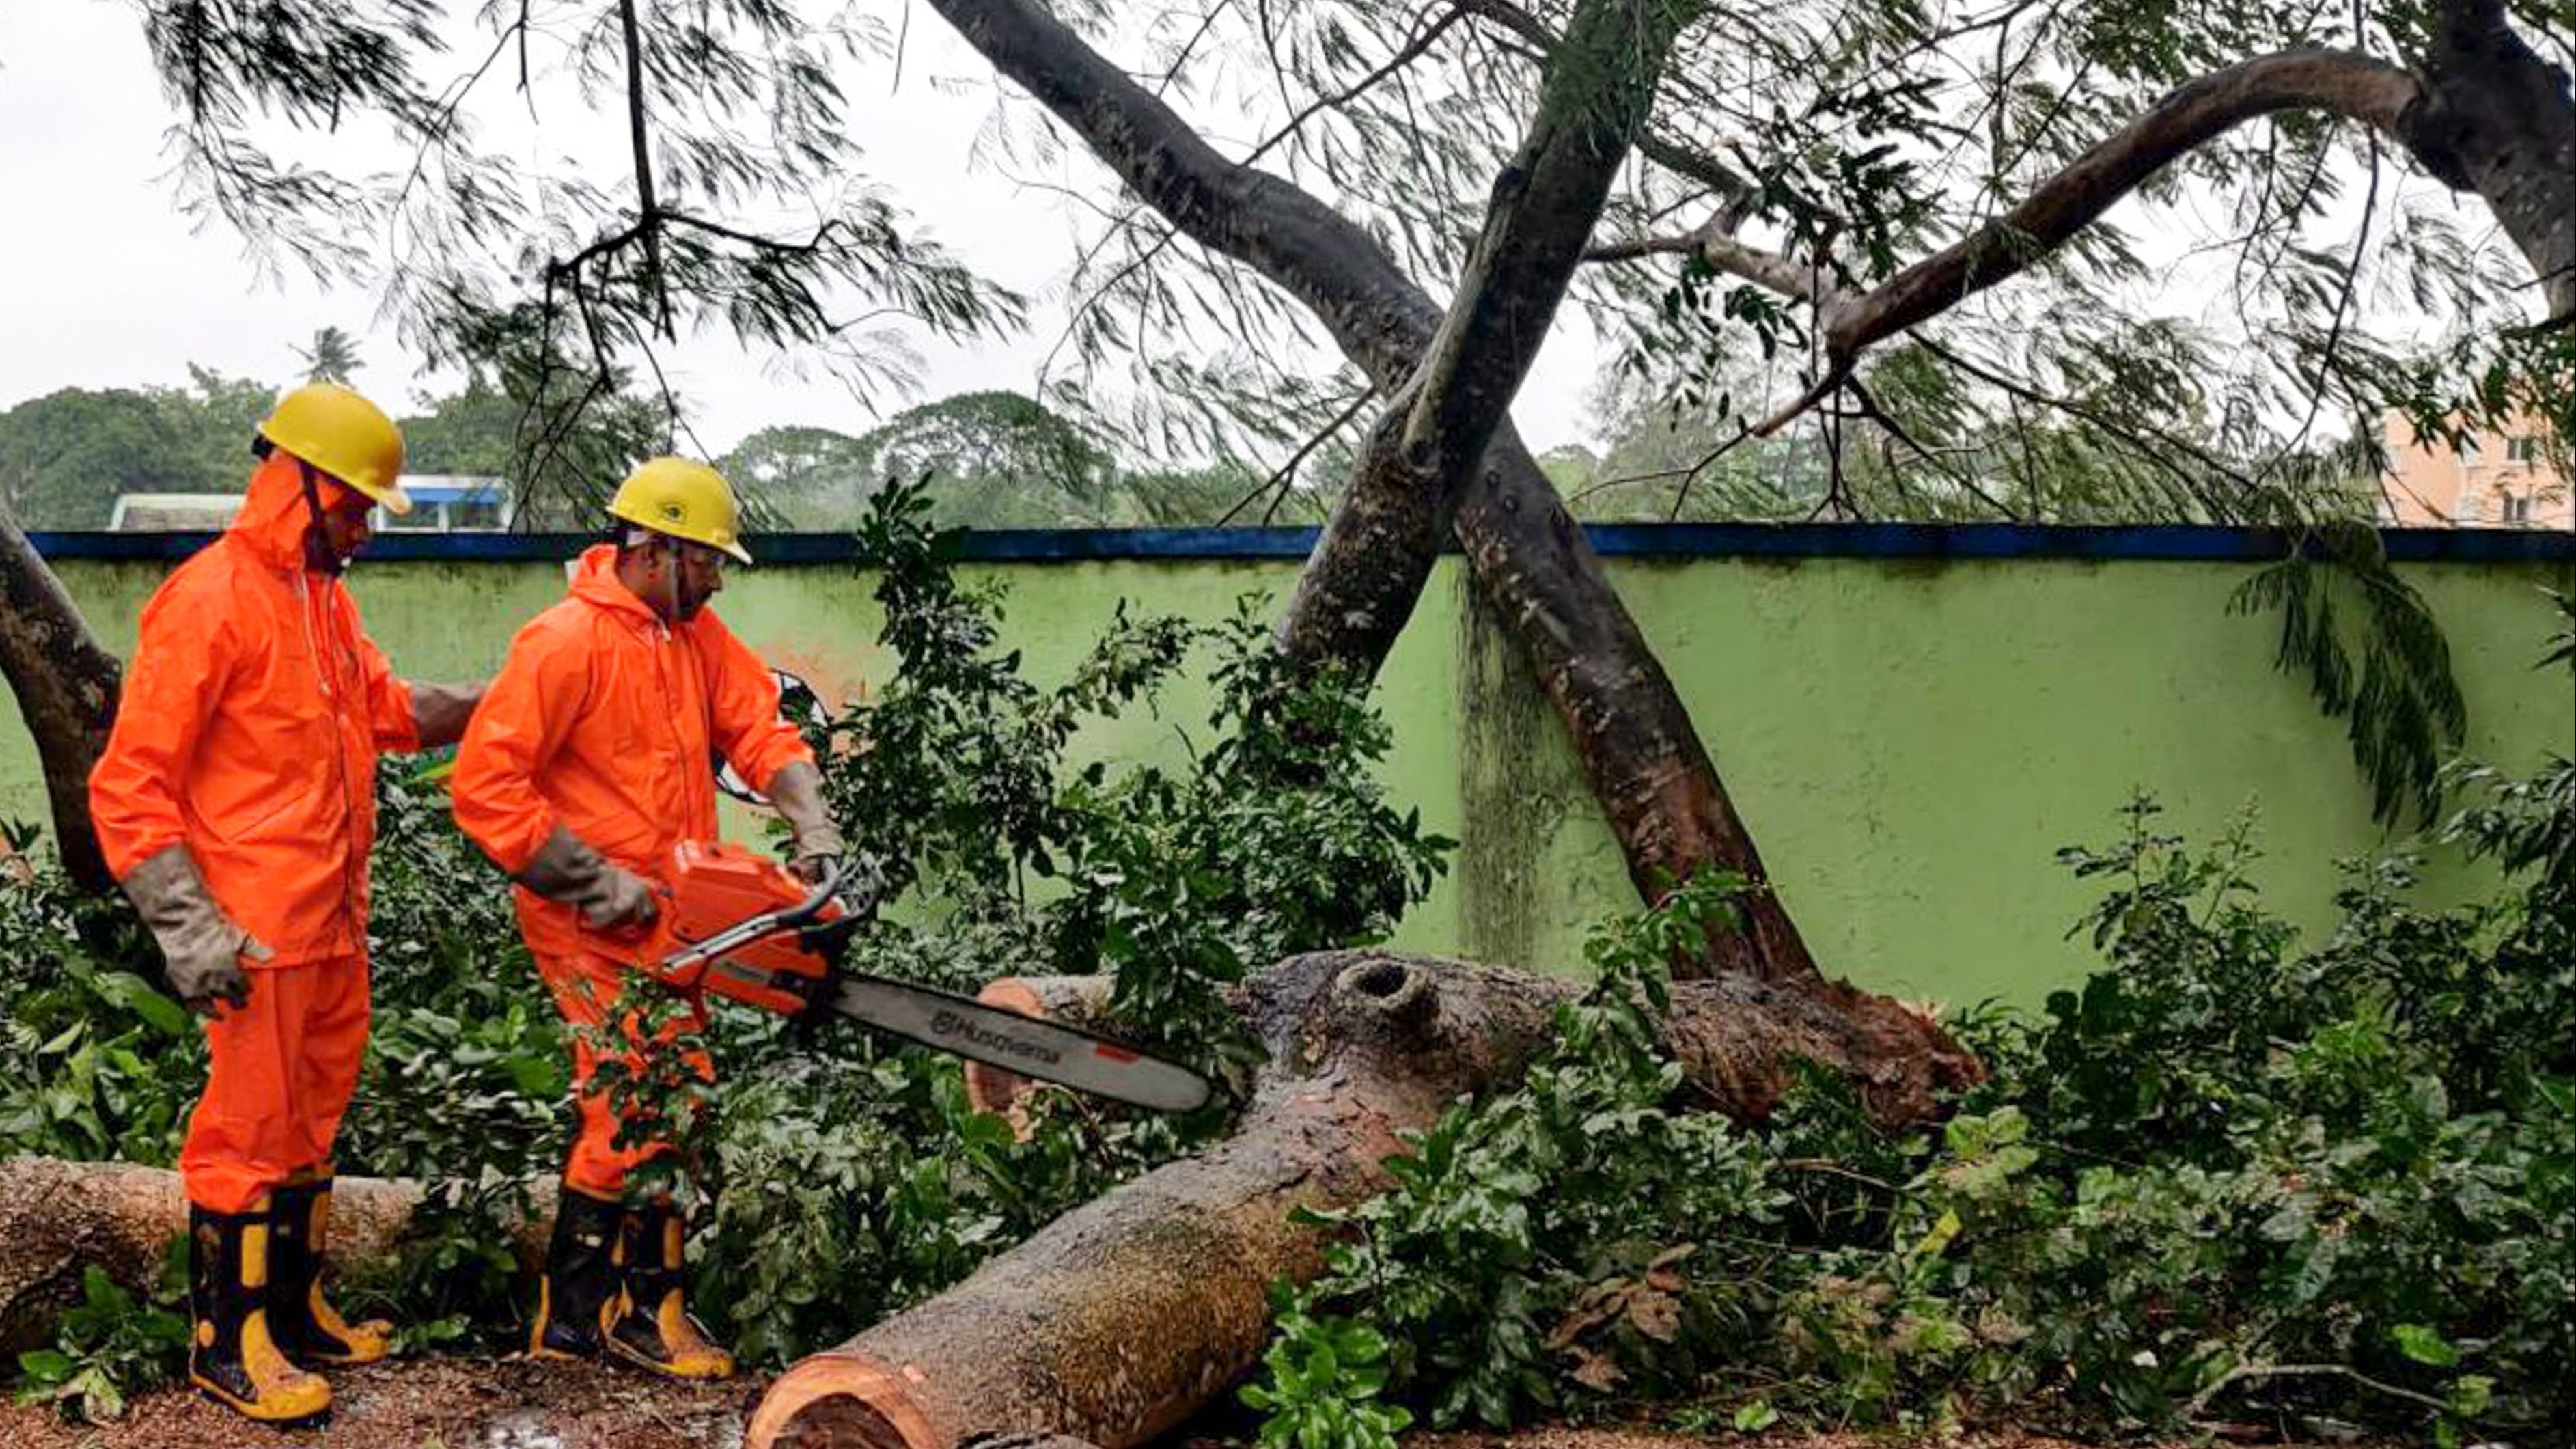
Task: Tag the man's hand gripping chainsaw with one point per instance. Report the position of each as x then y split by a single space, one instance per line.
737 925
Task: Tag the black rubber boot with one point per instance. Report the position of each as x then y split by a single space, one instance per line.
231 1357
653 1329
580 1286
301 1320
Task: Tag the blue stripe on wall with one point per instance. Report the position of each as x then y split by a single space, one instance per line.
1612 540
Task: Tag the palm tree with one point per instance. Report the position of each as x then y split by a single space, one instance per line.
333 357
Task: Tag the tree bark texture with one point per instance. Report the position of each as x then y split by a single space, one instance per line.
57 1219
1402 500
66 686
1645 761
2498 120
1125 1316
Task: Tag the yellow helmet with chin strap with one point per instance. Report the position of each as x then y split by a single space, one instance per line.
344 435
685 499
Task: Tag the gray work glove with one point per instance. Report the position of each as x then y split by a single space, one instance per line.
609 896
796 791
439 712
200 945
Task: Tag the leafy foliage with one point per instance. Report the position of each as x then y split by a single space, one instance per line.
2405 708
109 1343
839 1177
737 113
1273 839
531 413
65 457
2227 1177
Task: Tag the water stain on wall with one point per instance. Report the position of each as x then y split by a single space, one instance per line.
1517 780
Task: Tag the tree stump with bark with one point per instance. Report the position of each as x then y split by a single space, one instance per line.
1123 1317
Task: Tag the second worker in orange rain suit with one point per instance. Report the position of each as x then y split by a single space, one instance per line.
235 801
588 763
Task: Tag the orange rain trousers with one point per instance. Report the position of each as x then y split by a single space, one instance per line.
280 1074
585 984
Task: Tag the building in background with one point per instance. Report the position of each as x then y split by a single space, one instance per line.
453 503
172 512
440 503
2503 479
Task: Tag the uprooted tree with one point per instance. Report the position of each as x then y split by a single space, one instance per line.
1126 1316
1129 1314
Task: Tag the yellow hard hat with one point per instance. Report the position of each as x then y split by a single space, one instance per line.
345 436
684 498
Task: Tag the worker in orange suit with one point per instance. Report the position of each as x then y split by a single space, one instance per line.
235 802
586 767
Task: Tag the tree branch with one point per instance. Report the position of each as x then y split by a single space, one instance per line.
1379 546
1644 759
67 689
1715 244
647 213
2346 83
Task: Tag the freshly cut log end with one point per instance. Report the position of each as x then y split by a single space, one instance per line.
1078 1001
849 1401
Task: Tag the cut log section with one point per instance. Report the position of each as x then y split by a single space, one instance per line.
60 1218
1125 1316
1080 1001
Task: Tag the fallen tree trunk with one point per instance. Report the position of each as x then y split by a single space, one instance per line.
62 1218
1125 1316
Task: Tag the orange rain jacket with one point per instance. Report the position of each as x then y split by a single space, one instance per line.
608 721
249 729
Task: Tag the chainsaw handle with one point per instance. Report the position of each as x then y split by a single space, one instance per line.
812 906
798 917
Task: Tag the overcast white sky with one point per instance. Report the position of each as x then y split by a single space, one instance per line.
104 283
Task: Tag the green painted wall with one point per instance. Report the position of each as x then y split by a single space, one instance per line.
1910 741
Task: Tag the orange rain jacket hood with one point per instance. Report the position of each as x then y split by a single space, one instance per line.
249 730
608 721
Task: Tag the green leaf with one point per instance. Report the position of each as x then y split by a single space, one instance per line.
138 996
2424 1345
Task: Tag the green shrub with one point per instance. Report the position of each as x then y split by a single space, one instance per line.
2229 1176
847 1176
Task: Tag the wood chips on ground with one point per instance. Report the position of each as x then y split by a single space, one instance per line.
462 1403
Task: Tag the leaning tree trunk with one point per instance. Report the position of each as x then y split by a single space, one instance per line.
1647 767
1125 1316
59 1219
66 687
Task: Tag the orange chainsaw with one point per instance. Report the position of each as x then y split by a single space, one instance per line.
744 928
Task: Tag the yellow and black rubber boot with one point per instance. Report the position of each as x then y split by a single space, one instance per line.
230 1355
579 1289
301 1320
653 1329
